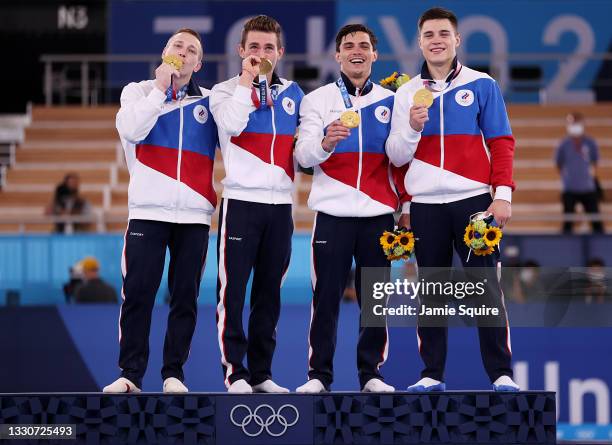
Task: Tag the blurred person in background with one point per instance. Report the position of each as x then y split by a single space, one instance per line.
510 275
597 290
68 202
530 288
576 158
94 289
169 137
350 293
75 273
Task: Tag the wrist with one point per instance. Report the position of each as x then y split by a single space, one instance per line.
503 193
246 79
160 86
326 146
415 130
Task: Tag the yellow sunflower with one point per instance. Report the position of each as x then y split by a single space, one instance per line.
492 236
387 240
483 252
402 79
469 235
389 80
406 241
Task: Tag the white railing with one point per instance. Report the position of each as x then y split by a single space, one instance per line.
98 220
2 176
7 154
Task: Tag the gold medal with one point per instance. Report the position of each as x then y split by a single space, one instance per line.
265 66
350 119
423 97
173 61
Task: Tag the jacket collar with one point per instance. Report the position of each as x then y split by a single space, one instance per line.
193 90
352 90
454 72
275 80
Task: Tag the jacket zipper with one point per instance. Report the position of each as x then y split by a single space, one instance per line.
360 142
273 137
442 131
441 143
272 146
180 156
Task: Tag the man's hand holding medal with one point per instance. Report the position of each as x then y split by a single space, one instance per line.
419 112
252 68
169 67
340 129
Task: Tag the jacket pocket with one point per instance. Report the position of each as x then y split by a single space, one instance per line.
150 188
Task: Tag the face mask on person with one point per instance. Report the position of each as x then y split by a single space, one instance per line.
597 276
527 275
575 129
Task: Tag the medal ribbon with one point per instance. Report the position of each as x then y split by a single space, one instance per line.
427 83
178 95
263 91
344 92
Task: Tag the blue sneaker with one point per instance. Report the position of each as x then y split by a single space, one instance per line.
505 384
427 385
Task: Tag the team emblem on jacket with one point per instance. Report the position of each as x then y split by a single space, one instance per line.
289 105
465 98
383 114
200 113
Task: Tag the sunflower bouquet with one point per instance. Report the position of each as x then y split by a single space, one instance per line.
397 245
482 235
394 81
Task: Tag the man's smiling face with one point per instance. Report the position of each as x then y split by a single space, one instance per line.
356 55
438 40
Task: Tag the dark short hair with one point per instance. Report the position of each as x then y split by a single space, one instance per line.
531 263
352 29
193 32
262 23
575 116
437 14
596 262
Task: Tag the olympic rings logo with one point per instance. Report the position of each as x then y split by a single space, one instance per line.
261 424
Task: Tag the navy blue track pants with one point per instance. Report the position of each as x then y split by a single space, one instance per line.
252 237
142 267
335 242
438 228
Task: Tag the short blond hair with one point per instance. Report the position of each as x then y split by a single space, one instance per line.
189 31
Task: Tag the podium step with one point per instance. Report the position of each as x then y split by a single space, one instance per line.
461 417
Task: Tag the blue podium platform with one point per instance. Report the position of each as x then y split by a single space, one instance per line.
459 417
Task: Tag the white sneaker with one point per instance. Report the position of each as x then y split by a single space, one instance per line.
174 385
313 386
377 385
121 385
240 387
426 385
269 386
505 384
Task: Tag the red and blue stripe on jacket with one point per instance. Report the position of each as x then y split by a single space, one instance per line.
160 149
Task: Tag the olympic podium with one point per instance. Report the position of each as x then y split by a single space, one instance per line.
460 417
